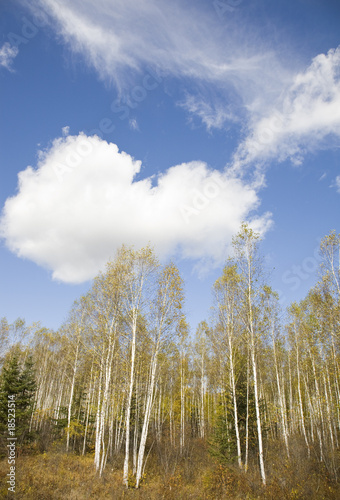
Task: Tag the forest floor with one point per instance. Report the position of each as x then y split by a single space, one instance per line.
55 475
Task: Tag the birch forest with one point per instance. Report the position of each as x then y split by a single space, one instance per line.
125 400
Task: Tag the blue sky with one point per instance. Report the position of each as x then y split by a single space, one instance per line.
168 122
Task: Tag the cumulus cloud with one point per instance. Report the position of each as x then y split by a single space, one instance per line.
306 118
83 201
7 54
65 130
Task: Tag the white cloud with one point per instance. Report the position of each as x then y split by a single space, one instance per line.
337 183
185 40
133 124
65 130
7 54
230 73
213 114
82 202
306 118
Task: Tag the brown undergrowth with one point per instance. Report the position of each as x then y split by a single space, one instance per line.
55 475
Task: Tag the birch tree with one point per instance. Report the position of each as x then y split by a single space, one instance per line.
245 246
106 304
74 330
228 299
270 307
201 349
140 266
165 314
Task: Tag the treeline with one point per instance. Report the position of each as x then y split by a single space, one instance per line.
124 380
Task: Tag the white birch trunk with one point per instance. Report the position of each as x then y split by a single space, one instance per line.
281 402
182 408
71 398
145 428
254 367
88 412
233 388
202 416
128 403
99 402
302 418
247 418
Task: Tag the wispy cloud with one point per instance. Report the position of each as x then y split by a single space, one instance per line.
183 39
230 72
133 124
73 227
306 117
214 114
7 53
337 183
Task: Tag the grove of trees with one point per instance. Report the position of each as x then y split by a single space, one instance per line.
123 380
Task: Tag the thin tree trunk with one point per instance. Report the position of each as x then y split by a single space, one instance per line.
128 403
247 418
149 402
99 402
302 418
254 367
69 410
281 403
233 388
182 408
88 411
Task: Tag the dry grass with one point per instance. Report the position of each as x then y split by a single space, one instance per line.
55 475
